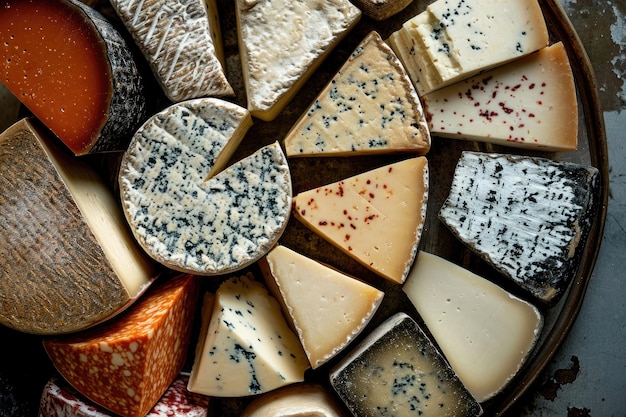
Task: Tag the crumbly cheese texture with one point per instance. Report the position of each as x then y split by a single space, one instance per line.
455 39
485 333
317 298
375 217
246 346
297 400
370 106
529 217
397 371
528 103
181 41
282 42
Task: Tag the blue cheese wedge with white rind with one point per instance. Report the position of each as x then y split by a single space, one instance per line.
397 371
528 217
184 208
370 106
485 333
246 346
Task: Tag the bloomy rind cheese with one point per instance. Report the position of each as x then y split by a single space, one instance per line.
181 44
369 107
528 217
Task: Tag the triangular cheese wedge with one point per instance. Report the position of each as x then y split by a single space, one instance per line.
317 298
375 217
370 106
282 42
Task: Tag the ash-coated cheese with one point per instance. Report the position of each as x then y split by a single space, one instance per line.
370 106
397 371
297 400
181 40
529 217
528 103
245 345
455 39
281 43
188 212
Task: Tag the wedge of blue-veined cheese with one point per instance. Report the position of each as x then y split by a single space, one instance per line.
397 371
528 217
189 212
181 40
452 40
317 298
485 333
528 103
281 43
246 346
370 106
375 217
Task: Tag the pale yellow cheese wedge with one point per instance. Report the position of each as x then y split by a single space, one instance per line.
298 400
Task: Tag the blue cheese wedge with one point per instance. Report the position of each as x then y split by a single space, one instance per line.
281 43
184 208
246 346
528 217
397 371
370 106
452 40
181 41
485 333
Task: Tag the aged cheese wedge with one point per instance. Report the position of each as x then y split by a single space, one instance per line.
68 259
527 217
185 210
398 371
451 41
318 298
246 346
297 400
281 43
485 333
375 217
381 9
78 77
182 42
528 103
126 364
369 106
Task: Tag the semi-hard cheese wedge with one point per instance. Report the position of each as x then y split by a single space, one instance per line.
397 371
528 103
485 333
282 42
370 106
182 42
246 346
375 217
185 210
452 40
78 77
126 364
528 217
297 400
67 257
318 298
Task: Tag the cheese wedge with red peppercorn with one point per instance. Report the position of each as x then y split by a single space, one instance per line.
529 103
375 217
126 364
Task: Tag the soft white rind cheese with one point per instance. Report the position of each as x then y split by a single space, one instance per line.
370 106
485 333
282 42
526 216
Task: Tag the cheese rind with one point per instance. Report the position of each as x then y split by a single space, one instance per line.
297 400
528 103
381 9
369 106
375 217
485 333
528 217
316 298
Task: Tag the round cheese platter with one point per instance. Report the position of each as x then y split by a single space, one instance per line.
26 368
